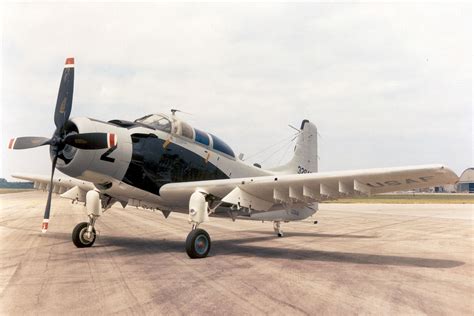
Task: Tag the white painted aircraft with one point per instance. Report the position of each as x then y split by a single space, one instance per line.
161 162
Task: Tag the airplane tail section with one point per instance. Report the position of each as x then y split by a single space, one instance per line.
305 158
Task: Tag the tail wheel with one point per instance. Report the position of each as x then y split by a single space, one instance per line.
79 237
198 244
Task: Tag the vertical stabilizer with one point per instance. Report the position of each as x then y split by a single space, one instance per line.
305 157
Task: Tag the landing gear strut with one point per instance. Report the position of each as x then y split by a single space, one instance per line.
277 228
84 233
198 242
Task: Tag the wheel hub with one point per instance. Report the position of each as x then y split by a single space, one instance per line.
201 244
86 237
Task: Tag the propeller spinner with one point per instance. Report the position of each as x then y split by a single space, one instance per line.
60 138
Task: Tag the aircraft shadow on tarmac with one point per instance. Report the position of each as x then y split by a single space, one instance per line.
130 246
322 235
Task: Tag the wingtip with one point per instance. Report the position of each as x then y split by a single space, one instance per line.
21 176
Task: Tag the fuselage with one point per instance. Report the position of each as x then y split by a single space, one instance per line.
147 157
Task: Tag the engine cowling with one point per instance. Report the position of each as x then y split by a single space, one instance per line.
96 166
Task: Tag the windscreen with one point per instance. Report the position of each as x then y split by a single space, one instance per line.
156 121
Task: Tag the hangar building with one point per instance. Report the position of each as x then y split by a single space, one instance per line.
466 181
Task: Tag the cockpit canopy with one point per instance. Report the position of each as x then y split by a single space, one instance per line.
156 121
164 123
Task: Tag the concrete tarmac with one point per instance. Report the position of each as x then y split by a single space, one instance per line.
359 259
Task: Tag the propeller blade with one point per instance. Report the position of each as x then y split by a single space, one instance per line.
27 142
47 210
66 89
91 140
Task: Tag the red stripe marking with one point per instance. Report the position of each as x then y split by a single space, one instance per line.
44 226
112 139
70 61
10 144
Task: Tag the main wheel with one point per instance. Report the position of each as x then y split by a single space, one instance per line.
78 236
198 244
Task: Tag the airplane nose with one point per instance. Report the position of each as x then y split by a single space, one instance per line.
96 166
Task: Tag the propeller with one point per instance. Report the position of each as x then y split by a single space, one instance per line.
86 141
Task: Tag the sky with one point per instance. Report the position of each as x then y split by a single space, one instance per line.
387 84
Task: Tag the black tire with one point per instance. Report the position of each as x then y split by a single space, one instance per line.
78 236
198 244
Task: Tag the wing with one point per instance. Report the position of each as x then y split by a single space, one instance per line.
69 188
261 193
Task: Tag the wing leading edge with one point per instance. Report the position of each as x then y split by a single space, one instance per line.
269 190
